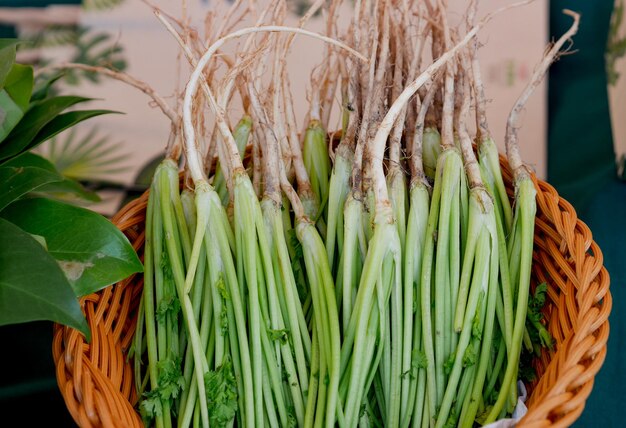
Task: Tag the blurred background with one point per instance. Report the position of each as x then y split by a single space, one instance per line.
573 135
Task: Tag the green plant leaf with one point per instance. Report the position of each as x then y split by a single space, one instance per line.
92 252
35 119
31 159
14 98
8 48
66 189
10 114
42 89
63 122
32 285
19 84
18 181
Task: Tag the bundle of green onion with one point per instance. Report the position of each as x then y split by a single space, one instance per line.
377 279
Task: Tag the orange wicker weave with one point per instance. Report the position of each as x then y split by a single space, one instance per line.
96 378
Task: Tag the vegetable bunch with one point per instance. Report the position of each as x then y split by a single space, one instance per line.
378 277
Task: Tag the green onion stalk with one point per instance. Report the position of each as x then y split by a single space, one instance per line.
363 345
241 135
431 150
256 280
383 264
522 232
306 195
441 262
322 397
289 313
278 354
345 235
393 370
203 316
413 357
323 406
345 240
449 167
326 322
353 270
175 239
218 242
355 240
255 272
322 400
164 299
339 187
488 158
315 149
154 407
249 364
317 163
475 308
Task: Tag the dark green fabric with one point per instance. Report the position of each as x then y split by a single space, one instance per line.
580 150
581 165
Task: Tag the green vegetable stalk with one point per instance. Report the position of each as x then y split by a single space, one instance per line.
522 232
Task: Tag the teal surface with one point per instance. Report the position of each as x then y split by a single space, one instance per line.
581 165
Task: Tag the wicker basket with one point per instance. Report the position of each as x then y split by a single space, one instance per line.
96 379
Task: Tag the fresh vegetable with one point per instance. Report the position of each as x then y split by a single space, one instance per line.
380 281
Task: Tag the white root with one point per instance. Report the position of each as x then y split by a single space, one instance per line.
378 145
469 157
194 160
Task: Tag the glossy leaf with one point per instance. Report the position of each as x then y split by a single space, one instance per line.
66 189
33 122
14 98
18 181
19 84
10 114
89 248
7 57
63 122
31 159
42 90
32 286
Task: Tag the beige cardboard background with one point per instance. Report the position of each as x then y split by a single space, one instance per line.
513 43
